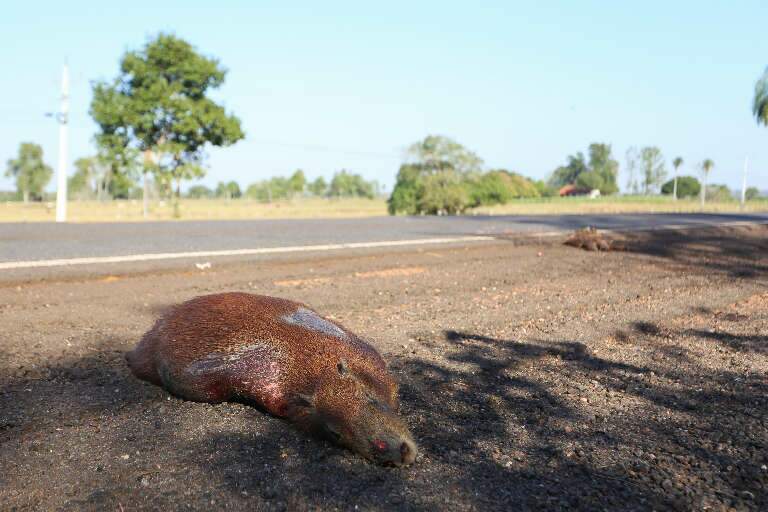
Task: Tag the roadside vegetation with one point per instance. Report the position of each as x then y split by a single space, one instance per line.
156 119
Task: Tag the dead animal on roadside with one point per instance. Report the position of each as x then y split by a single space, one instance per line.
286 359
590 239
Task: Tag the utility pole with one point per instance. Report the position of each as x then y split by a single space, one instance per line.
744 184
61 171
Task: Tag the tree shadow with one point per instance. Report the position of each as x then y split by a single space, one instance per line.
735 252
500 426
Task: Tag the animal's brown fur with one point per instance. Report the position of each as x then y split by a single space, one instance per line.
590 239
283 357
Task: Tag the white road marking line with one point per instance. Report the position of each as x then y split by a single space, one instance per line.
13 265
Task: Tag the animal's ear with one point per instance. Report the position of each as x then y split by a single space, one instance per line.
342 367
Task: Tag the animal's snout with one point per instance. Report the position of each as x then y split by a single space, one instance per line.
407 452
397 452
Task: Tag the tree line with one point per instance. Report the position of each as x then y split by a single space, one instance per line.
342 184
156 119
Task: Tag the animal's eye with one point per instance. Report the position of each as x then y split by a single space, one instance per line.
378 404
331 432
342 367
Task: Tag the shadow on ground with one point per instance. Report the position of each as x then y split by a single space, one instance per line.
502 424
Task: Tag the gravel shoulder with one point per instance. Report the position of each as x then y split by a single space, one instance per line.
534 376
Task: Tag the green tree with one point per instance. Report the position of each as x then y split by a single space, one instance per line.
499 187
409 187
752 193
599 173
346 184
544 189
30 171
687 186
760 101
676 163
121 185
443 193
435 151
199 192
652 167
83 183
568 174
605 168
719 193
228 190
297 182
273 189
318 187
159 105
706 167
632 156
489 189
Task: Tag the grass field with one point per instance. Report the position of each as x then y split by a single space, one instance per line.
202 209
620 204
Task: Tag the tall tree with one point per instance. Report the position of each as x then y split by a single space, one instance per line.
347 184
760 102
599 173
632 157
676 163
228 190
436 152
654 172
159 105
318 187
706 167
84 183
602 171
569 173
297 182
30 171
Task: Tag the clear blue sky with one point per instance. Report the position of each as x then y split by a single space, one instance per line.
328 85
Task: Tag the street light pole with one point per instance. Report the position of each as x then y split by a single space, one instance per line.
61 171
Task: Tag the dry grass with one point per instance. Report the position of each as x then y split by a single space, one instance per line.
194 209
203 209
627 204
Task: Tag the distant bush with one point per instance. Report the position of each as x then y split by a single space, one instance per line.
8 195
408 189
719 193
499 187
544 189
430 191
422 190
442 193
687 186
229 190
489 189
347 184
199 192
752 193
273 189
318 187
590 180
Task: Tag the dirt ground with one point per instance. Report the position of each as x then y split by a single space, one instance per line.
534 376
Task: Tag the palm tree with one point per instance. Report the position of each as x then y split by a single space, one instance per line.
760 103
677 162
706 166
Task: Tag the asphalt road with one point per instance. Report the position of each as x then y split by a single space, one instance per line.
43 241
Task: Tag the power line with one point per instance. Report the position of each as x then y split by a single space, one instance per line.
329 149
